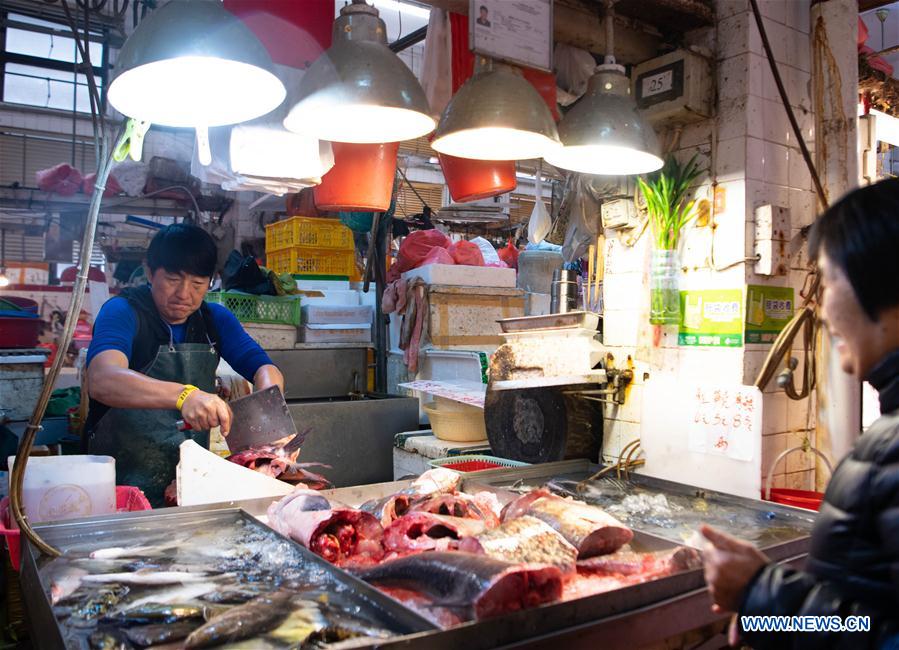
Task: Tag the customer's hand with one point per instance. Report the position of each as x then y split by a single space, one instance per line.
730 564
204 410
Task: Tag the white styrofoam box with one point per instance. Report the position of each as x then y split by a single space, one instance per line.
340 333
447 365
272 337
322 285
466 276
21 380
347 297
537 304
334 314
408 463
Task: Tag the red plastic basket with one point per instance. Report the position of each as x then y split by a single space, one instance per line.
474 462
472 465
796 498
127 499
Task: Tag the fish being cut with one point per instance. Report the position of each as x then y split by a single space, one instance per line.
480 586
590 530
527 539
423 531
651 564
279 460
243 621
337 534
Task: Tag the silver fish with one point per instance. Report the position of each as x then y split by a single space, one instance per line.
179 594
64 581
146 577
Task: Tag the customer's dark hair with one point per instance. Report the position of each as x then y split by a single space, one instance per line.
183 247
860 235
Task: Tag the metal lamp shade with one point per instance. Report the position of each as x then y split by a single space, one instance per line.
359 91
191 63
496 115
604 133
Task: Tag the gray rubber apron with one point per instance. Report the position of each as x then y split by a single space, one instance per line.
144 442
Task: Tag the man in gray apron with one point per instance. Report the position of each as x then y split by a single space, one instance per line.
153 359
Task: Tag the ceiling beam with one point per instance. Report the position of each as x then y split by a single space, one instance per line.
868 5
580 24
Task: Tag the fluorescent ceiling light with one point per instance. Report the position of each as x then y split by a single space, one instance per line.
192 63
358 90
496 115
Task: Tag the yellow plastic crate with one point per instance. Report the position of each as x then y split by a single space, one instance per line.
312 261
307 231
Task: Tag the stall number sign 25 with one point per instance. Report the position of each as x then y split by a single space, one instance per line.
725 421
658 83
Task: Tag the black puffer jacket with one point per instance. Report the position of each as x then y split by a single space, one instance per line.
853 563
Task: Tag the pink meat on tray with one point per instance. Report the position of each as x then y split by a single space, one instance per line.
338 534
424 531
590 530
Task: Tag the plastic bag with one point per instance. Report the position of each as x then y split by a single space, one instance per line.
573 67
438 256
112 185
509 255
437 65
466 253
540 223
488 252
583 220
62 179
416 247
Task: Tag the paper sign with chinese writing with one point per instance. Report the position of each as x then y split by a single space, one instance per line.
515 31
466 392
726 421
711 317
690 438
768 310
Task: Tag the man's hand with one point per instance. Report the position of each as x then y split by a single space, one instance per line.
730 564
204 410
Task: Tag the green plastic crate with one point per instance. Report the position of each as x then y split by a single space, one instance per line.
274 310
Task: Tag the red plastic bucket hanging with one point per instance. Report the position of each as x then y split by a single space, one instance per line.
797 498
472 180
360 180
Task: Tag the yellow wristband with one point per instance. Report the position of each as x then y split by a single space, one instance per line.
188 389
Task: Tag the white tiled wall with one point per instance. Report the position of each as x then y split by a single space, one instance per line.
757 162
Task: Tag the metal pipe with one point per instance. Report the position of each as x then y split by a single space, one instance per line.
409 40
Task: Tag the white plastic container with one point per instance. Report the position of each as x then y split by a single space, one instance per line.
336 314
461 275
349 333
66 487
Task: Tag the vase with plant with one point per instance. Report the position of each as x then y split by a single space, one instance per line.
670 209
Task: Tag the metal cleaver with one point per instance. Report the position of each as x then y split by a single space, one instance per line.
259 419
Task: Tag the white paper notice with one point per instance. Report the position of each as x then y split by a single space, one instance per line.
514 31
726 421
99 294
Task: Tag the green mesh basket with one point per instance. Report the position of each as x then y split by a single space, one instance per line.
274 310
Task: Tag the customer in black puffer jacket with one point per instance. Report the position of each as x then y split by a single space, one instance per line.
853 562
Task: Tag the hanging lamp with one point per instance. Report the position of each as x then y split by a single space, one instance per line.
496 115
604 133
191 63
358 90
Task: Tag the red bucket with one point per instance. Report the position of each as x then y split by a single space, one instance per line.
361 179
796 498
127 499
473 180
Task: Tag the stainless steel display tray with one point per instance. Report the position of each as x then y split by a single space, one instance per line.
569 320
122 529
784 530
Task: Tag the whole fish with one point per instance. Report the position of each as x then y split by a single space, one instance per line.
146 577
423 531
105 640
147 635
175 595
477 584
64 580
526 540
590 530
655 564
236 595
157 612
242 622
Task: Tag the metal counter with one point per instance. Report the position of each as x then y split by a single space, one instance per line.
628 617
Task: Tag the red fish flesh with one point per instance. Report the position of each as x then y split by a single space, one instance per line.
423 531
475 585
279 460
338 534
528 540
590 530
648 564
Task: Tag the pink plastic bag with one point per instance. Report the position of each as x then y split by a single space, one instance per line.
112 185
62 179
466 253
509 255
416 247
438 256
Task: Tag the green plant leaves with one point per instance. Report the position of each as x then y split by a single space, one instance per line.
665 192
